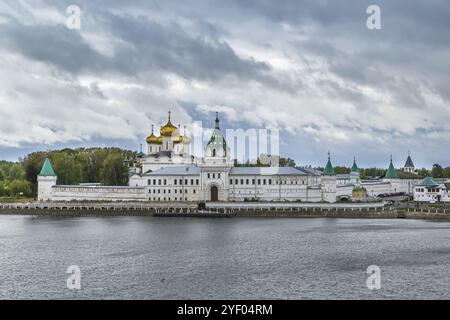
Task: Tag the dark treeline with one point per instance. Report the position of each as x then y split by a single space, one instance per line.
72 166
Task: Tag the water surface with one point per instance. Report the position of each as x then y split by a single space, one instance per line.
237 258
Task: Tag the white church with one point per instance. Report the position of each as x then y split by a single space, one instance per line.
167 172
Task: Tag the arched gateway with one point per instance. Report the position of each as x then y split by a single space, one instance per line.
214 193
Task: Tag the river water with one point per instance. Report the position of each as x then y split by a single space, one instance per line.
228 258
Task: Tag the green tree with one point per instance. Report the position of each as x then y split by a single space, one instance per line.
114 171
2 174
287 162
2 189
20 188
341 170
16 171
437 171
446 172
423 172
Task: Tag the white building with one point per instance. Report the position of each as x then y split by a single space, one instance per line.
429 190
167 172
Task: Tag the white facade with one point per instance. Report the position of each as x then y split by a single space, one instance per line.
428 190
45 185
167 172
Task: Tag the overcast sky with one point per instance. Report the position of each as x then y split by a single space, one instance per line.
310 68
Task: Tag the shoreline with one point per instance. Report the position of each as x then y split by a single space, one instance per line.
305 214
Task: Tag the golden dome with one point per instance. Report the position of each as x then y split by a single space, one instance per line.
181 139
169 129
152 138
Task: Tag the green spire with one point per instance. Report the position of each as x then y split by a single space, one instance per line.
354 167
47 169
217 140
329 171
391 173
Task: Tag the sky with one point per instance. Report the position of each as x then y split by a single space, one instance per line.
310 68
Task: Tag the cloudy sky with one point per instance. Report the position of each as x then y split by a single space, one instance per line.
311 68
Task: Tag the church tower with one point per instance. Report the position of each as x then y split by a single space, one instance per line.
328 183
46 180
354 173
409 165
216 166
392 177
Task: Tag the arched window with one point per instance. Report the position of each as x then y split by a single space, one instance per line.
214 152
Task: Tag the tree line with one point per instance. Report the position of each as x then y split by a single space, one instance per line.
72 166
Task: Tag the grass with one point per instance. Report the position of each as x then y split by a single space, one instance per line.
16 199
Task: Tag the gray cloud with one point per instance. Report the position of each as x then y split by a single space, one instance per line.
309 67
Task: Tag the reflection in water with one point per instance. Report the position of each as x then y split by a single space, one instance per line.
238 258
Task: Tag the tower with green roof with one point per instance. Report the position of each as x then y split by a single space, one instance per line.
216 166
392 177
328 182
46 180
217 150
354 173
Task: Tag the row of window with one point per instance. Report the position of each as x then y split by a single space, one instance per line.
159 182
269 191
213 175
169 191
167 199
261 181
427 190
97 190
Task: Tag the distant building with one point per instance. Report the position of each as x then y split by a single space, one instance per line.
429 190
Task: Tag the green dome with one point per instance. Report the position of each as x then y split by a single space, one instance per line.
217 140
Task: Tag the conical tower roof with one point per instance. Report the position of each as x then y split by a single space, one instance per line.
354 166
47 169
409 163
329 170
391 173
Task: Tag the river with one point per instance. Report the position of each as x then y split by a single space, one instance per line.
222 258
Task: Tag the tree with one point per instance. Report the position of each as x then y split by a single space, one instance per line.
423 172
437 171
2 174
20 188
446 172
341 170
287 162
2 189
114 171
16 172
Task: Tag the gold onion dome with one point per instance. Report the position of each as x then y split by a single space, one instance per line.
181 138
152 138
169 129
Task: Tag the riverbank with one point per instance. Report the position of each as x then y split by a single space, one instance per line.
266 210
